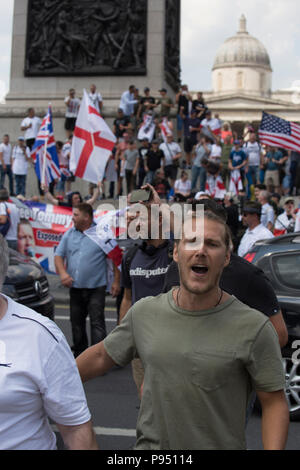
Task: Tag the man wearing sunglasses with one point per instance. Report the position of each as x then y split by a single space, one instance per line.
255 231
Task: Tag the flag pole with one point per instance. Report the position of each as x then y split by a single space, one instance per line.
45 154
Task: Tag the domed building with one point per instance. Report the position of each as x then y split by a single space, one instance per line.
242 64
242 83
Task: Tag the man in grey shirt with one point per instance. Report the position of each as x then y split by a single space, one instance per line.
201 152
131 156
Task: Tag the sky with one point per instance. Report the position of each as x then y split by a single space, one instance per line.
205 24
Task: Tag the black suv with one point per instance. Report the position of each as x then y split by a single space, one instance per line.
27 284
279 258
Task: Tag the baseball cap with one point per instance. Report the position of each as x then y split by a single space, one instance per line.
252 208
21 138
236 142
163 89
147 89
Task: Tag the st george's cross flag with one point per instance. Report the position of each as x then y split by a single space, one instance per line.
165 129
92 143
44 152
278 132
236 183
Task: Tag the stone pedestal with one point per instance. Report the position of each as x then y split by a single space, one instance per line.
28 87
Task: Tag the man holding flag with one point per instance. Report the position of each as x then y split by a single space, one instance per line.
44 153
92 144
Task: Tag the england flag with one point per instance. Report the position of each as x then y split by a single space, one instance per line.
92 144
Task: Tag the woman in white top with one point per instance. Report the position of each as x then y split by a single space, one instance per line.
182 188
21 157
216 151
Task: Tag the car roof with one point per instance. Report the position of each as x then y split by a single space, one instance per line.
288 239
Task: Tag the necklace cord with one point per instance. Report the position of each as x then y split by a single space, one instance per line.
218 303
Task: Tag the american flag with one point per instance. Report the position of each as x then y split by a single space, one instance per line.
277 132
44 152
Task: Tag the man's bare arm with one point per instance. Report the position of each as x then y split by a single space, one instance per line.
275 419
94 362
65 277
280 327
126 303
81 437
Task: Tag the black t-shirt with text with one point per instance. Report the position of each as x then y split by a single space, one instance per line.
146 272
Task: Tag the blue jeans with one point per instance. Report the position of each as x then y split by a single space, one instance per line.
149 177
252 177
7 172
293 172
198 171
20 184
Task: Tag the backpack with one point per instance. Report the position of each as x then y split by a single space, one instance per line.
4 228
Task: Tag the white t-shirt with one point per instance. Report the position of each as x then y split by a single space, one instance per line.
267 214
96 99
253 152
169 151
216 152
183 186
6 150
72 107
32 132
20 164
284 223
251 236
14 215
38 379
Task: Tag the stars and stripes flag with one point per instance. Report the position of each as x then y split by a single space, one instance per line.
92 143
278 132
44 152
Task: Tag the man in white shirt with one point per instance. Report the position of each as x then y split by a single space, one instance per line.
285 222
255 161
38 380
6 163
172 154
127 101
72 109
255 231
8 209
31 126
96 98
267 211
21 157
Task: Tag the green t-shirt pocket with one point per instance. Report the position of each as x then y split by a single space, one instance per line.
211 370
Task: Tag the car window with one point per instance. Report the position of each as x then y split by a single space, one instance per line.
286 267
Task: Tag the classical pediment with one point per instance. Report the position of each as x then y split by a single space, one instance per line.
243 101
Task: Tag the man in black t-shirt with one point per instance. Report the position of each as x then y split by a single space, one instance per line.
143 270
147 103
121 124
183 101
153 161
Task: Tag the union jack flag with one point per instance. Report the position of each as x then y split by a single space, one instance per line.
44 152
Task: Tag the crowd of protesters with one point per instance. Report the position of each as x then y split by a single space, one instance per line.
193 158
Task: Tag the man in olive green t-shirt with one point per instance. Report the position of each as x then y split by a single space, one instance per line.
203 352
